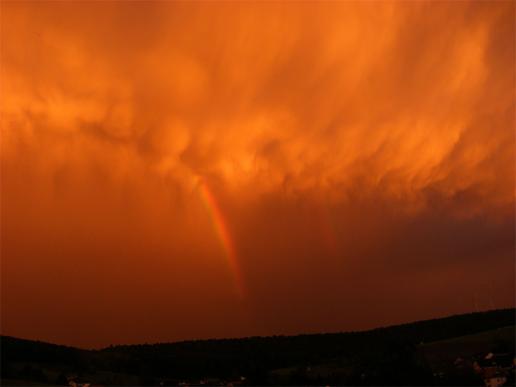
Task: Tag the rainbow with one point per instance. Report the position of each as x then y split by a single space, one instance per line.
220 226
327 231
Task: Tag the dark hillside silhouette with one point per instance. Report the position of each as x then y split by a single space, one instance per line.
386 356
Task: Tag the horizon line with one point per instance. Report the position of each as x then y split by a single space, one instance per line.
258 336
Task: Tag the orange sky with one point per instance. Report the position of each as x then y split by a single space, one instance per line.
190 170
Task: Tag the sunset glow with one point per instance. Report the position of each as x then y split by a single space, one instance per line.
185 170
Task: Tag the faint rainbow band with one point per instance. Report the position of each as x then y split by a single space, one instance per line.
222 230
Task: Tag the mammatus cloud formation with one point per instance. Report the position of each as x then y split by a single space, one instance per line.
180 170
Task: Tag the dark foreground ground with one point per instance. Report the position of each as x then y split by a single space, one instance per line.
467 350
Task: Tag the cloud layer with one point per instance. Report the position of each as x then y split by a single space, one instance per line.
361 154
